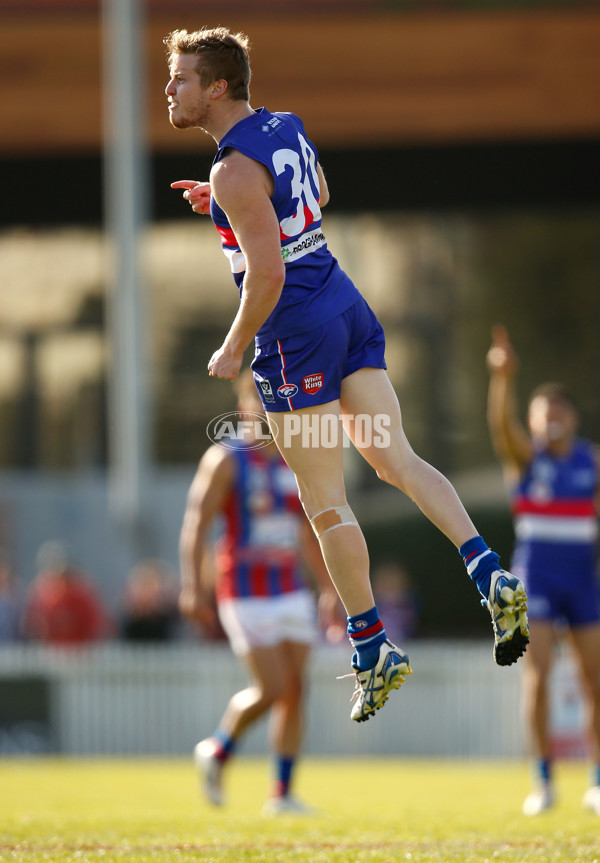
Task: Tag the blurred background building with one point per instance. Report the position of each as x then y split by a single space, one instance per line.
461 144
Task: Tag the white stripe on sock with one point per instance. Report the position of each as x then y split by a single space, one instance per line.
475 563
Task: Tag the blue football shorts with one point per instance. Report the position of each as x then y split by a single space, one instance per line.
560 581
307 369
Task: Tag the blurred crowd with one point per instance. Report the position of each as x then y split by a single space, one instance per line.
63 605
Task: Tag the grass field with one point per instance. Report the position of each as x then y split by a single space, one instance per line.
76 810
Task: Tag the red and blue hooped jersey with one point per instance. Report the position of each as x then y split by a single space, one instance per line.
554 503
259 551
316 289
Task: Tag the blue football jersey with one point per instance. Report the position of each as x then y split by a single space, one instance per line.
316 289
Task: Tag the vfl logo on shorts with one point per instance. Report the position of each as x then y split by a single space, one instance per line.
286 391
311 384
267 392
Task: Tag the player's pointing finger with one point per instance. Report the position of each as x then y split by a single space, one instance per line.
184 184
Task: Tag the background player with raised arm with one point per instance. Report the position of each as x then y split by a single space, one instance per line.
319 348
553 479
264 605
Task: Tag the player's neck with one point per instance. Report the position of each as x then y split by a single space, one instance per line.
230 113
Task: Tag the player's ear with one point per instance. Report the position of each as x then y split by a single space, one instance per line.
218 88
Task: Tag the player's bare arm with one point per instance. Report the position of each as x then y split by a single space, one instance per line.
323 187
242 188
510 439
206 499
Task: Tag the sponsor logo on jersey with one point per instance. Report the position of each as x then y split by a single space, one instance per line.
311 384
286 391
267 391
309 242
271 124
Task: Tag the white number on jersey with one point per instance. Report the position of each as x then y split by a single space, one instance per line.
302 164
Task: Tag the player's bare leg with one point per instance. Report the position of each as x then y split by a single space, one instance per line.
287 715
319 474
274 674
318 467
270 671
286 727
538 663
586 642
368 392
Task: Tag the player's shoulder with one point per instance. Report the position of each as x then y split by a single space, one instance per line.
235 172
289 116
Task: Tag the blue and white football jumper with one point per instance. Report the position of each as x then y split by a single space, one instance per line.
291 369
556 529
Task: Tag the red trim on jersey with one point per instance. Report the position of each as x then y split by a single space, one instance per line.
292 501
287 577
309 220
573 508
231 512
228 238
258 576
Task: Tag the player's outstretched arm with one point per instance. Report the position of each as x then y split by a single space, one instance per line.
509 437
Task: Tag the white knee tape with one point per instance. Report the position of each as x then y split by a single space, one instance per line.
329 519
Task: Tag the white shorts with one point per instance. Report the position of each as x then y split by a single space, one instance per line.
263 621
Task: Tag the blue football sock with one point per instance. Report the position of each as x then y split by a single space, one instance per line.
481 562
366 634
543 770
283 776
596 774
226 743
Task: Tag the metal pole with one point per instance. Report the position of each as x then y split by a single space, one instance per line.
126 208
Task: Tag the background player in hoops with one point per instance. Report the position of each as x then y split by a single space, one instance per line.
553 479
319 348
264 605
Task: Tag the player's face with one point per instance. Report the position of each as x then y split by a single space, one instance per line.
552 421
188 101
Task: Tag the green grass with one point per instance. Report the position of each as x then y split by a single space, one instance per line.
371 812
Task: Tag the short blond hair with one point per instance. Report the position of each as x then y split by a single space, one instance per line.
221 54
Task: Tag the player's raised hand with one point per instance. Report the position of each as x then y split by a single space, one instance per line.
501 357
196 193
